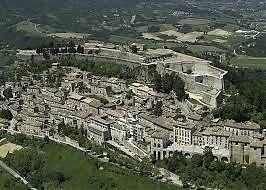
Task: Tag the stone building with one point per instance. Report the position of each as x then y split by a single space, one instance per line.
97 133
216 137
159 142
199 76
247 150
183 133
247 128
118 133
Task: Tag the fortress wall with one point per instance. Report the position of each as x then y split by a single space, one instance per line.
190 83
201 67
97 58
187 67
213 81
186 77
180 67
237 153
120 55
174 66
206 98
199 87
215 70
209 99
255 155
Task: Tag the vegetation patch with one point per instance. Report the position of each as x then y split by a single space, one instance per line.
67 168
8 148
151 36
220 32
8 182
69 35
250 62
29 28
194 21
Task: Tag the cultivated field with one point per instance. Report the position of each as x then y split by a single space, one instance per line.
219 41
8 148
172 33
151 36
69 35
194 21
203 48
220 32
189 37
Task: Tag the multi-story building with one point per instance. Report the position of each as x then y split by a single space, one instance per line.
183 132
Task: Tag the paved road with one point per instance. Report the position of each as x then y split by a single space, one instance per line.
2 140
15 174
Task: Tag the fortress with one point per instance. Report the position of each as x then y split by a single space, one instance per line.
201 79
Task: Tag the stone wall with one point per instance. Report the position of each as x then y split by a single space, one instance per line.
213 81
237 152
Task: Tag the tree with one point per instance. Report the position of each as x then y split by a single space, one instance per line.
8 93
207 157
158 109
6 114
196 160
46 55
60 177
80 49
72 48
153 28
186 28
167 83
237 108
157 82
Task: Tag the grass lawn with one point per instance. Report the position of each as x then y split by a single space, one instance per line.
250 62
84 174
8 182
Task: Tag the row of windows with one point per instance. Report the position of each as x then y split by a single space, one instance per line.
239 132
183 133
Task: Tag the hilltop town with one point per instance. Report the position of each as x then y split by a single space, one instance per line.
132 116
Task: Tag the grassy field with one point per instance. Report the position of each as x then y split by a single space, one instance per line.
129 40
7 182
203 48
29 28
250 62
194 21
163 27
69 35
83 172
